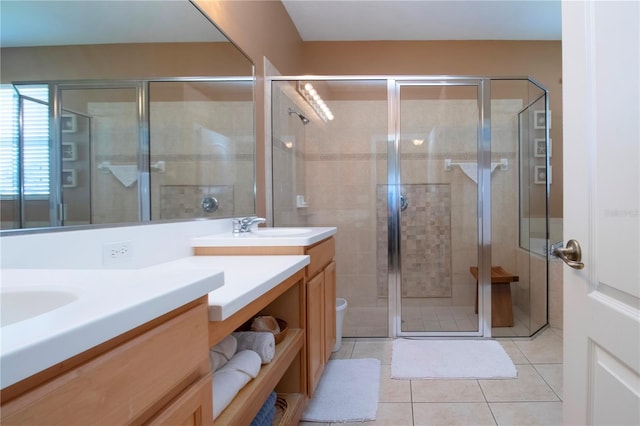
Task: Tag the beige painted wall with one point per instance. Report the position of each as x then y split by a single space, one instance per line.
121 61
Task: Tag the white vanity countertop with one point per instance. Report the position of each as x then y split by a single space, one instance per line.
299 236
110 302
245 279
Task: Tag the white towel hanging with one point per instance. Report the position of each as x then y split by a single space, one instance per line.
471 169
127 174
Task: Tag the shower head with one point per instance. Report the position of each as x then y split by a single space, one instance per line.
301 116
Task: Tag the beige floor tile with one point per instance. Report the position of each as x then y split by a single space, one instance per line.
449 324
514 353
432 325
389 414
392 390
466 324
368 331
373 349
502 332
530 399
544 349
529 386
473 413
552 374
345 351
557 331
446 391
527 413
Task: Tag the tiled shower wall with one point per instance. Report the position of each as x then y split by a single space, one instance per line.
208 147
288 151
114 138
425 231
205 149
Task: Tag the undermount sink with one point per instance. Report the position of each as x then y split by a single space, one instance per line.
281 232
21 304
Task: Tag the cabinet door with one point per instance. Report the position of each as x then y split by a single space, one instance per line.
315 330
329 309
194 407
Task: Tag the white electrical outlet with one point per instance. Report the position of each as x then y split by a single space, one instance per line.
117 252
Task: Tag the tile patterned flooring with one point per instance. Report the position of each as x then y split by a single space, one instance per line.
533 398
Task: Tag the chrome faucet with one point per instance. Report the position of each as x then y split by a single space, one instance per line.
245 224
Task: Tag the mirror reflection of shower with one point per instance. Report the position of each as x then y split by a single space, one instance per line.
301 116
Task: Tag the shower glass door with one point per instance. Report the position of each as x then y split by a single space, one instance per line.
438 136
102 142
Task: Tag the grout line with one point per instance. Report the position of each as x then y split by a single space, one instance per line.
545 380
413 414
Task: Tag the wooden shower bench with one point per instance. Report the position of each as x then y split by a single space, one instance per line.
501 308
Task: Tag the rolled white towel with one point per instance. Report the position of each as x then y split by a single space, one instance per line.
221 353
262 342
233 376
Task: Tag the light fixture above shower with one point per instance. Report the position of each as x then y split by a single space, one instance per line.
313 98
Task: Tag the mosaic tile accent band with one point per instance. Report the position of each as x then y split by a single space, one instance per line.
425 241
185 201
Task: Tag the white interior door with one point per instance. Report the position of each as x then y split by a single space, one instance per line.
601 91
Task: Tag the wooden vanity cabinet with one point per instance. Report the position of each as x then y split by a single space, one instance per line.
157 374
321 309
315 330
320 279
330 330
286 373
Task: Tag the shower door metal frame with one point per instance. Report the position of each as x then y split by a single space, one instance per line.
483 207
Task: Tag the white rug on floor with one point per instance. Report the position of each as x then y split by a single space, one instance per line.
450 359
347 392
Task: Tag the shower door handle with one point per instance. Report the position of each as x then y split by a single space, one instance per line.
571 254
404 203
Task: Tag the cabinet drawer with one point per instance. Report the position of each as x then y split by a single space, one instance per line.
124 384
321 254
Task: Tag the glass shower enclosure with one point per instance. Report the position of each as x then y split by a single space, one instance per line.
430 182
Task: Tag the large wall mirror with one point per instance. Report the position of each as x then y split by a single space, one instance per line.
115 112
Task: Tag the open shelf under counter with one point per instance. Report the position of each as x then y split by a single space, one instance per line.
249 400
286 373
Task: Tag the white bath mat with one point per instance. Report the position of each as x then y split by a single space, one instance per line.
347 392
450 359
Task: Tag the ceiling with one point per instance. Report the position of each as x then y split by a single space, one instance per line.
341 20
62 22
46 22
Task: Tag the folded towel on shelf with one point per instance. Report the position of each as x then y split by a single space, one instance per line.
262 342
267 412
233 376
221 353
